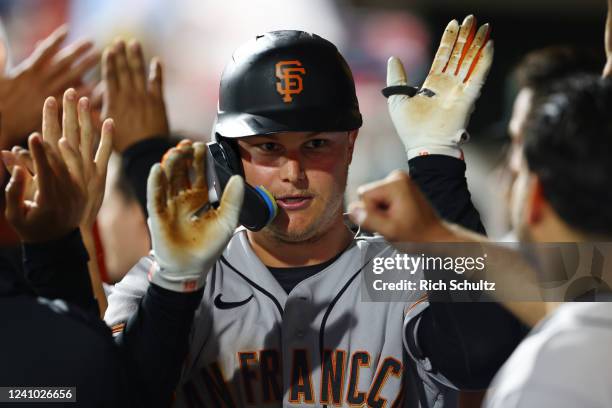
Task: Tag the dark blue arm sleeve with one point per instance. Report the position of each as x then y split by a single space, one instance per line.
58 270
155 341
442 180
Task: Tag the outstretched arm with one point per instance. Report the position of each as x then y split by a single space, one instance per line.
186 243
432 122
135 101
74 143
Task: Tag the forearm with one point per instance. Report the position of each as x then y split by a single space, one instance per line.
154 342
516 281
58 270
442 181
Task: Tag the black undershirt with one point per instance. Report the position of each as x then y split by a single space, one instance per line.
288 278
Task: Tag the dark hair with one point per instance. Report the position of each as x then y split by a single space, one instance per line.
542 67
568 144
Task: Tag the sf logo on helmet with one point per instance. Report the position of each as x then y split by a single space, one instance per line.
290 75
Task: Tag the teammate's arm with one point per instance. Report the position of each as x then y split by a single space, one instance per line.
397 209
74 144
49 219
136 103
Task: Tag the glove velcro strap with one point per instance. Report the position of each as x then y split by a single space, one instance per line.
185 281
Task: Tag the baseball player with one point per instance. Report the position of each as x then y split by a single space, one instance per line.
281 320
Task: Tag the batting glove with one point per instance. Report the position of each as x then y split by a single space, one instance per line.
187 235
433 119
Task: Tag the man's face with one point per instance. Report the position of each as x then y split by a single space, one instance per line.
520 111
519 202
306 172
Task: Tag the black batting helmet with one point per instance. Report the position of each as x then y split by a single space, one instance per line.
286 81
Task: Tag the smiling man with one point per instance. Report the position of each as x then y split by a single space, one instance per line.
281 321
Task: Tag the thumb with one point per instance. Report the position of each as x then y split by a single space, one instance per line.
157 194
396 74
14 193
231 202
371 218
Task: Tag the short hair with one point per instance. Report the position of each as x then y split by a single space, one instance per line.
568 145
540 68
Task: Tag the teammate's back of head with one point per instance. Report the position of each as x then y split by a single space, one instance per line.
568 145
541 68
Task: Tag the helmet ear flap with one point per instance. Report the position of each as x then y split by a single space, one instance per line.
259 206
232 155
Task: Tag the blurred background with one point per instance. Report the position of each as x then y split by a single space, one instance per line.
194 39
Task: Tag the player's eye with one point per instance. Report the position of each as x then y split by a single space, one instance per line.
269 147
316 143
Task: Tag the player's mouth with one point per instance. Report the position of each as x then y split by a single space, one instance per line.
294 202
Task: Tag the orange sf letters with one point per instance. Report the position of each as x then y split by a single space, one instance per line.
289 74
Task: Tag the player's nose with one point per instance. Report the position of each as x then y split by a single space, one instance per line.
292 171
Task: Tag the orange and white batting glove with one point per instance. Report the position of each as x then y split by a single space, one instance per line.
188 235
433 119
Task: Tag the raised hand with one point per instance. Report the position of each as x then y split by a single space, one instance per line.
434 120
186 234
48 71
133 101
58 202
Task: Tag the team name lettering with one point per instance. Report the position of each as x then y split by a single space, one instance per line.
259 378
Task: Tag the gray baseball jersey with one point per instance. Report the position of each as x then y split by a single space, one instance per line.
252 344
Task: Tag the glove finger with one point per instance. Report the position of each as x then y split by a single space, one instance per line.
481 70
176 167
231 203
446 46
466 34
396 75
157 192
482 36
199 166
